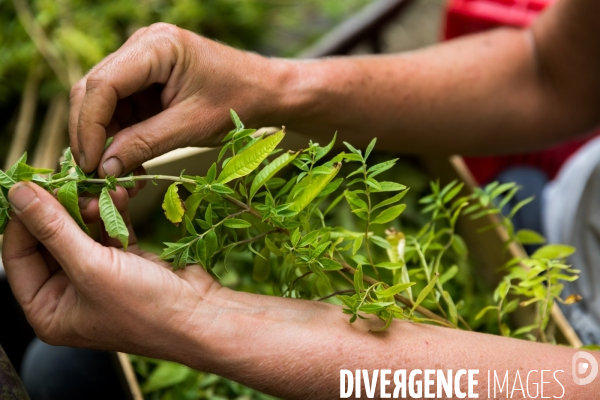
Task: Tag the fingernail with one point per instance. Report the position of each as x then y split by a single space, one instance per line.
84 201
21 196
81 159
113 167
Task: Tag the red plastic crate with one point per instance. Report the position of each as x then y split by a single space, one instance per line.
471 16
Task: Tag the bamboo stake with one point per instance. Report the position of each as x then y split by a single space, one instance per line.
26 116
52 138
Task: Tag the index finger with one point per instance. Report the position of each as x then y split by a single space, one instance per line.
146 60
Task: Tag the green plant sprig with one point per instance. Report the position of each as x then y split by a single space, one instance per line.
245 204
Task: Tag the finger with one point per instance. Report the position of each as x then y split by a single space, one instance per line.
25 266
148 139
50 223
139 185
78 94
148 60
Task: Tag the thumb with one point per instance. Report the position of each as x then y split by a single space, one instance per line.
50 223
172 128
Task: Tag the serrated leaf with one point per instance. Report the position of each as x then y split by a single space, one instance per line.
173 205
25 172
270 170
67 196
236 120
237 223
262 266
5 180
113 222
182 259
201 251
389 214
246 162
313 187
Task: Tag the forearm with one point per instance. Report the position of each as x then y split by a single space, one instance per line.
296 349
481 94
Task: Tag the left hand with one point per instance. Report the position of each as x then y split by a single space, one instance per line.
80 293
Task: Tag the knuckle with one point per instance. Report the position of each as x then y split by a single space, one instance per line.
51 226
142 148
77 88
164 29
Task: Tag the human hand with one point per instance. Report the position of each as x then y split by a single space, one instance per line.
80 293
165 88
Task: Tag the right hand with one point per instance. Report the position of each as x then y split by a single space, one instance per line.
166 88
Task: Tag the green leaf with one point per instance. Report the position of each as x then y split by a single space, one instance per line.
527 236
554 252
211 174
270 170
308 238
390 265
353 149
389 214
190 226
357 244
484 311
393 290
173 205
329 264
201 251
236 120
379 241
274 249
25 172
389 187
5 180
211 244
113 222
167 374
237 223
246 162
314 186
67 196
262 266
358 280
208 215
108 142
322 152
23 159
192 203
391 200
426 290
370 147
182 260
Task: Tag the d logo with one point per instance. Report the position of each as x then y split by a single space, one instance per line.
584 363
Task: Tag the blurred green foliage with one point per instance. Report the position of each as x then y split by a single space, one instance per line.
82 32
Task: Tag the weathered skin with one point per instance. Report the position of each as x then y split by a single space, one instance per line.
11 387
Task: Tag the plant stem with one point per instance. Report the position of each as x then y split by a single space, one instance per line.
421 310
336 293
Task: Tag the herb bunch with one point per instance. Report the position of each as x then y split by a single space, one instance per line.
243 205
